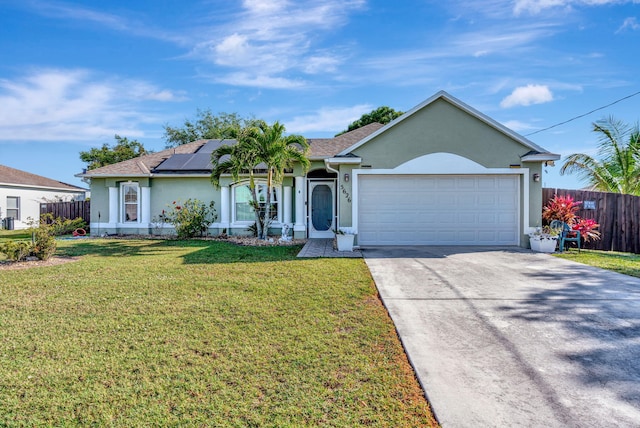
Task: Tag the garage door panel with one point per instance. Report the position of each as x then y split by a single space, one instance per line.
438 210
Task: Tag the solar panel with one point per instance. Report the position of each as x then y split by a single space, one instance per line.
212 145
193 162
174 163
199 162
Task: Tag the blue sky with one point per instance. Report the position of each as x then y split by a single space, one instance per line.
74 73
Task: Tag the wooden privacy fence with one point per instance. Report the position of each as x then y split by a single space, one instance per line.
618 216
70 210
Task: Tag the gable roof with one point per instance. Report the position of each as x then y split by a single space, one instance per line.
194 157
12 176
541 154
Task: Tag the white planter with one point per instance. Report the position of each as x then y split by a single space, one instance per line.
543 245
345 242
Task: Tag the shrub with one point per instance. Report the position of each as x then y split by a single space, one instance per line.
16 250
44 245
191 218
587 227
62 226
561 208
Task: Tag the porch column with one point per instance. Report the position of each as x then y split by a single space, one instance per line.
145 205
300 217
286 200
113 206
225 203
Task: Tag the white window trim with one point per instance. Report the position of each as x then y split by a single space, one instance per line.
246 223
17 198
123 215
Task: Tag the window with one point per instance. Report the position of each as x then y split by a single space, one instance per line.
130 201
13 207
243 211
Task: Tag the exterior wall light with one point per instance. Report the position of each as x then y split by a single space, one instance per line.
536 177
346 177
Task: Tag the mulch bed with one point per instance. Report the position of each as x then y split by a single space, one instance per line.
9 265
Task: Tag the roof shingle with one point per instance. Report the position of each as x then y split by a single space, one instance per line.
320 148
10 175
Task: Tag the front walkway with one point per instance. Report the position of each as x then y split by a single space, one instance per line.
324 248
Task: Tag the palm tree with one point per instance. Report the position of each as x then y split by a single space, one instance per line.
261 145
618 169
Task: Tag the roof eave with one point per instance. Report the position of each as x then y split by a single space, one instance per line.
540 157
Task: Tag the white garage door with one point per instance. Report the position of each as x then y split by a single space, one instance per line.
438 210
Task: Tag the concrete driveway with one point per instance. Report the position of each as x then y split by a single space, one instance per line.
506 337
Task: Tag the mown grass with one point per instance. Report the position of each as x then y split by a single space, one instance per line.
14 234
197 333
626 263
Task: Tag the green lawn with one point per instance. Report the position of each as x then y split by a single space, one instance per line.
14 234
626 263
200 333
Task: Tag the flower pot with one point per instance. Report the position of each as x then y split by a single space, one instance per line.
547 245
345 242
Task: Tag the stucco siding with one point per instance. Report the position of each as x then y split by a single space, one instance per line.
441 127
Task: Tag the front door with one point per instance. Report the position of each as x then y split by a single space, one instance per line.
321 209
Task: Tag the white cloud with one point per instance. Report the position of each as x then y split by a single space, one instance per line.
630 23
271 38
75 105
327 119
518 125
536 6
62 10
527 95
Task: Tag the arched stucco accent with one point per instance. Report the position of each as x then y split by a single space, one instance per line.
441 163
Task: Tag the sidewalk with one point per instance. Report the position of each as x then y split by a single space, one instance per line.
324 248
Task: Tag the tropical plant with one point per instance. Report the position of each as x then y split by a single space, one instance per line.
618 169
587 228
264 145
562 208
191 218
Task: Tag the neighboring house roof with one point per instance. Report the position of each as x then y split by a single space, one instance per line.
195 157
536 153
15 177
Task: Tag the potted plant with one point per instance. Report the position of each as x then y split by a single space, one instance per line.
344 238
544 239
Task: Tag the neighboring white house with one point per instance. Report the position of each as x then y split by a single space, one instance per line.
22 192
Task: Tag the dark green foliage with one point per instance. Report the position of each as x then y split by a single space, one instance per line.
381 115
124 149
618 168
191 218
207 126
62 226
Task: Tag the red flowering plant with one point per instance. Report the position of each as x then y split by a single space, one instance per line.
564 208
561 208
587 227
